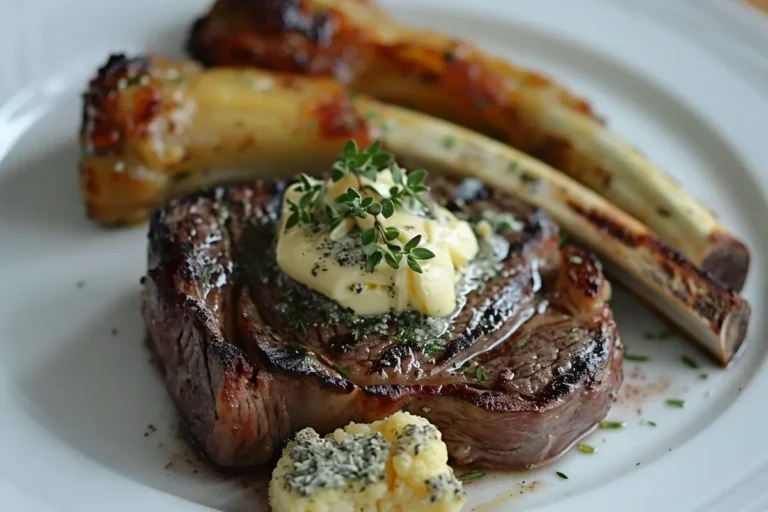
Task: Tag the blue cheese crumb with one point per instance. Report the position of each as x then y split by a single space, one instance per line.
444 487
322 463
398 463
414 438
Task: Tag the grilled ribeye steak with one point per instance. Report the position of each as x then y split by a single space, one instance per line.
528 365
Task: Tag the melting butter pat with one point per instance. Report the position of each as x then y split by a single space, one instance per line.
333 263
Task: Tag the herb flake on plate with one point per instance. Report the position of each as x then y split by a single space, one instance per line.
471 476
690 362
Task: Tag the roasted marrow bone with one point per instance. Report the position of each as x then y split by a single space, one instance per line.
282 122
153 129
359 44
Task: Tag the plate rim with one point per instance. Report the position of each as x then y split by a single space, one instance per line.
752 163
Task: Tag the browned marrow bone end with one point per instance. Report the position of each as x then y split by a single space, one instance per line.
728 261
725 311
150 131
713 314
194 44
108 123
100 131
271 20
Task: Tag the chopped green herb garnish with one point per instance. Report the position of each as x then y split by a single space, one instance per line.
341 371
529 179
663 335
650 423
206 277
561 475
387 125
178 80
676 402
370 115
689 362
449 141
703 376
480 374
636 358
406 407
585 448
434 348
523 342
471 476
563 240
612 425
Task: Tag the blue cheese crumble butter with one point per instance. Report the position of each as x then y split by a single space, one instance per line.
396 464
320 462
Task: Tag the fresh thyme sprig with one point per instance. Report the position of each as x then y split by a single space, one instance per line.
379 242
407 185
311 208
365 163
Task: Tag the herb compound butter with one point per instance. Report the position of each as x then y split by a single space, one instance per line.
398 464
332 260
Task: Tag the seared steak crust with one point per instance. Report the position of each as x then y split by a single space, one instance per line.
530 365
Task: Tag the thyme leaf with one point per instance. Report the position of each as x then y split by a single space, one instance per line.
313 210
690 362
611 425
471 476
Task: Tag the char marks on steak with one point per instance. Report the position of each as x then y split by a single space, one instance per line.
530 364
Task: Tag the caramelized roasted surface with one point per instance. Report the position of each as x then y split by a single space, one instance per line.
359 44
153 128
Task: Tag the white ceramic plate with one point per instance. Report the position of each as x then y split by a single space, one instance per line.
85 423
